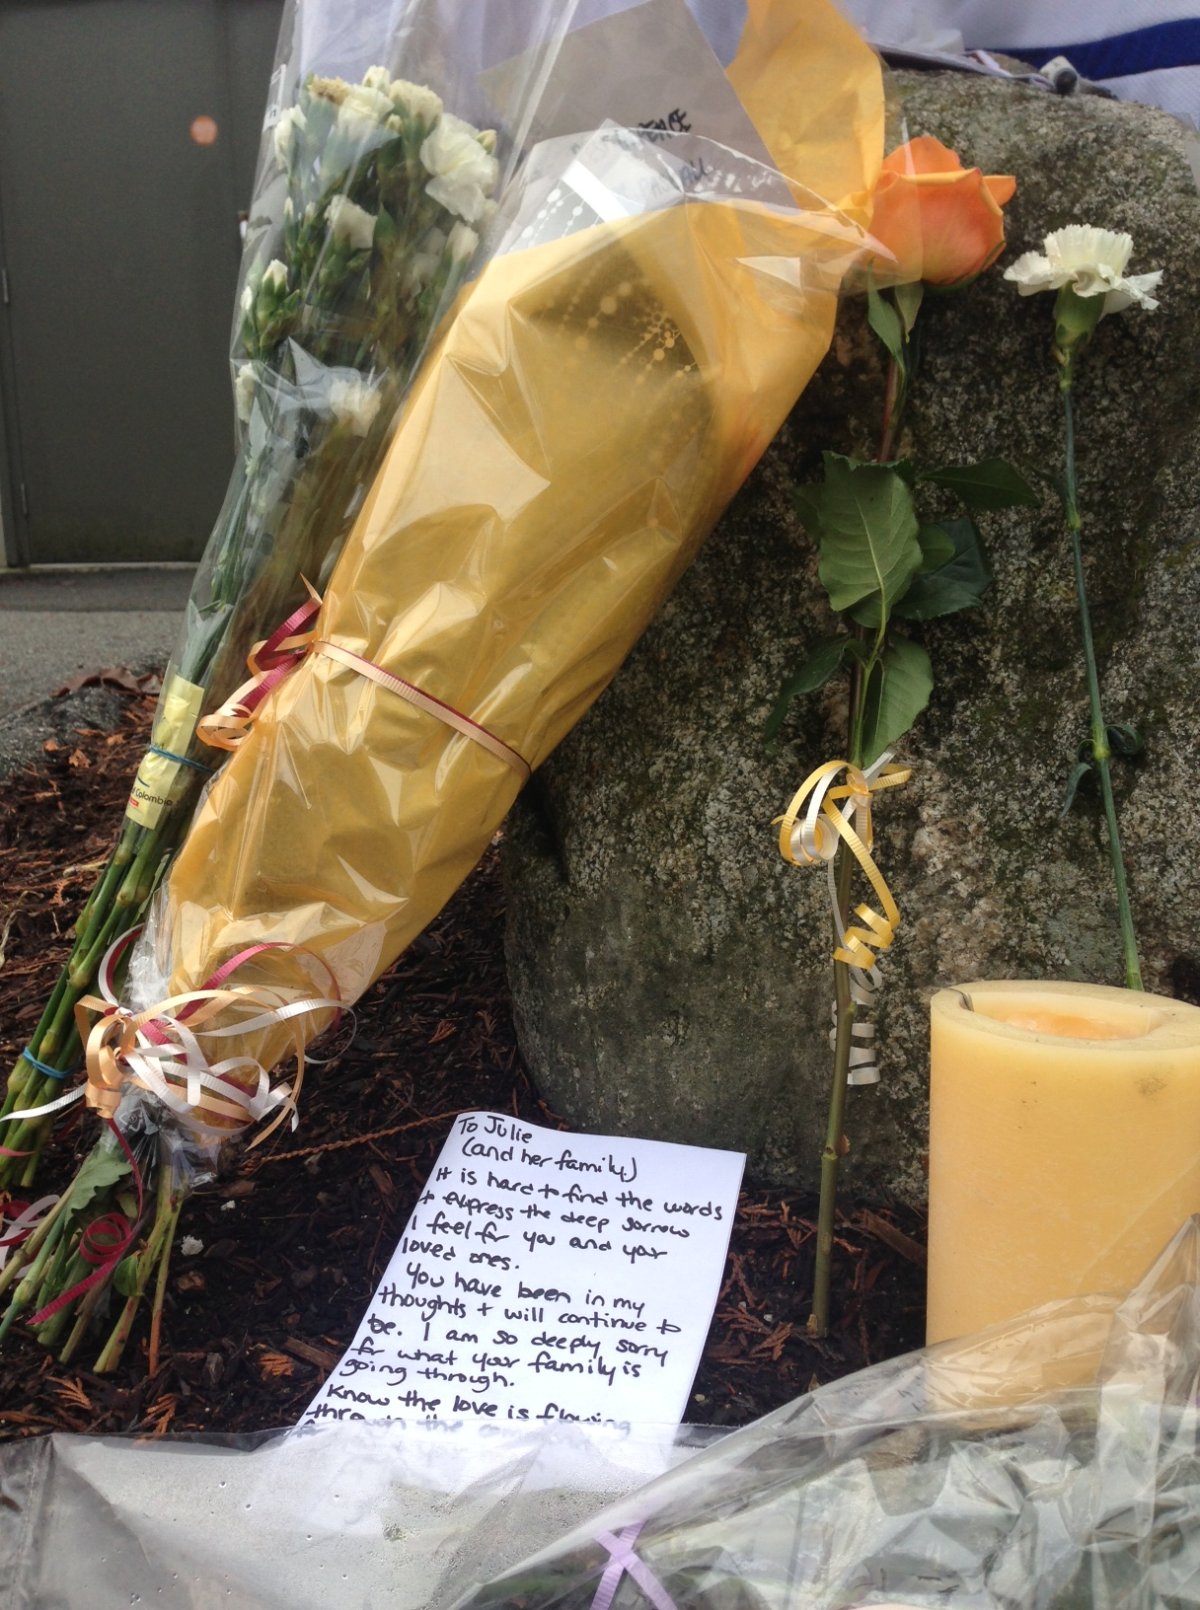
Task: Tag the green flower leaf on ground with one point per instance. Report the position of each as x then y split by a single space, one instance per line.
824 662
126 1276
867 531
897 692
959 583
99 1171
993 483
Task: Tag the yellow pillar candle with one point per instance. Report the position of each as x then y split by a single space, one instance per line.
1064 1144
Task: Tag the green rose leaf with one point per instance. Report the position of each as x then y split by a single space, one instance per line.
887 325
993 483
937 547
824 661
957 584
908 302
867 532
1125 740
897 692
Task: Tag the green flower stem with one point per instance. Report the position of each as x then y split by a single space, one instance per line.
1099 730
58 1042
160 1285
73 1271
149 1260
893 411
831 1152
895 398
84 1313
27 1259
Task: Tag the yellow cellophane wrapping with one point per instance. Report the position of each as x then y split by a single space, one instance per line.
593 406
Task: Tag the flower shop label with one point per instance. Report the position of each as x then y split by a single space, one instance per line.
179 709
544 1277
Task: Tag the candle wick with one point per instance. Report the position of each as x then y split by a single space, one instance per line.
965 999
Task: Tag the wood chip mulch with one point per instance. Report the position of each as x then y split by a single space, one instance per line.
295 1238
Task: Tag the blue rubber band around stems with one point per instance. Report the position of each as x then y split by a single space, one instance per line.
44 1068
181 760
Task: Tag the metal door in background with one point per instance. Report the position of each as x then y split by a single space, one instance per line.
128 136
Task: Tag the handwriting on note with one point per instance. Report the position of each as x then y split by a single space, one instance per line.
544 1276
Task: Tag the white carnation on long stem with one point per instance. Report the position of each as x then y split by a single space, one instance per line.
245 385
354 403
1092 262
463 173
351 223
363 112
290 126
417 100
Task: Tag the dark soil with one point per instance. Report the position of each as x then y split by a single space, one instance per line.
297 1234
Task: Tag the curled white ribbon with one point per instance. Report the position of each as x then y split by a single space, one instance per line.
158 1051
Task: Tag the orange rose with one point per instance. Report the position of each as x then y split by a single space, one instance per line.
942 222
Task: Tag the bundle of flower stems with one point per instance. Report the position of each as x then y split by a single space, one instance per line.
374 234
643 324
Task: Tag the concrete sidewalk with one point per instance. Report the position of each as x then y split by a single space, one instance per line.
55 624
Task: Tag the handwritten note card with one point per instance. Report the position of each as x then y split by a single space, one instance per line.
544 1276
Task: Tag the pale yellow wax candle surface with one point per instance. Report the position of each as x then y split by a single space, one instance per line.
1064 1144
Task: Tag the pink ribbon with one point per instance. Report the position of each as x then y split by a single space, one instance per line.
20 1219
625 1562
105 1242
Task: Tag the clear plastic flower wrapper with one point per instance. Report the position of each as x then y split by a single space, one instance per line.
370 195
957 1476
961 1476
652 307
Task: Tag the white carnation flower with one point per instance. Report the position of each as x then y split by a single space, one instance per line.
354 403
362 112
377 78
275 277
461 243
287 130
462 172
351 223
421 104
243 391
1092 262
248 294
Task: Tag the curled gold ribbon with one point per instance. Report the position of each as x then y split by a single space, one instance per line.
814 839
811 838
159 1050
